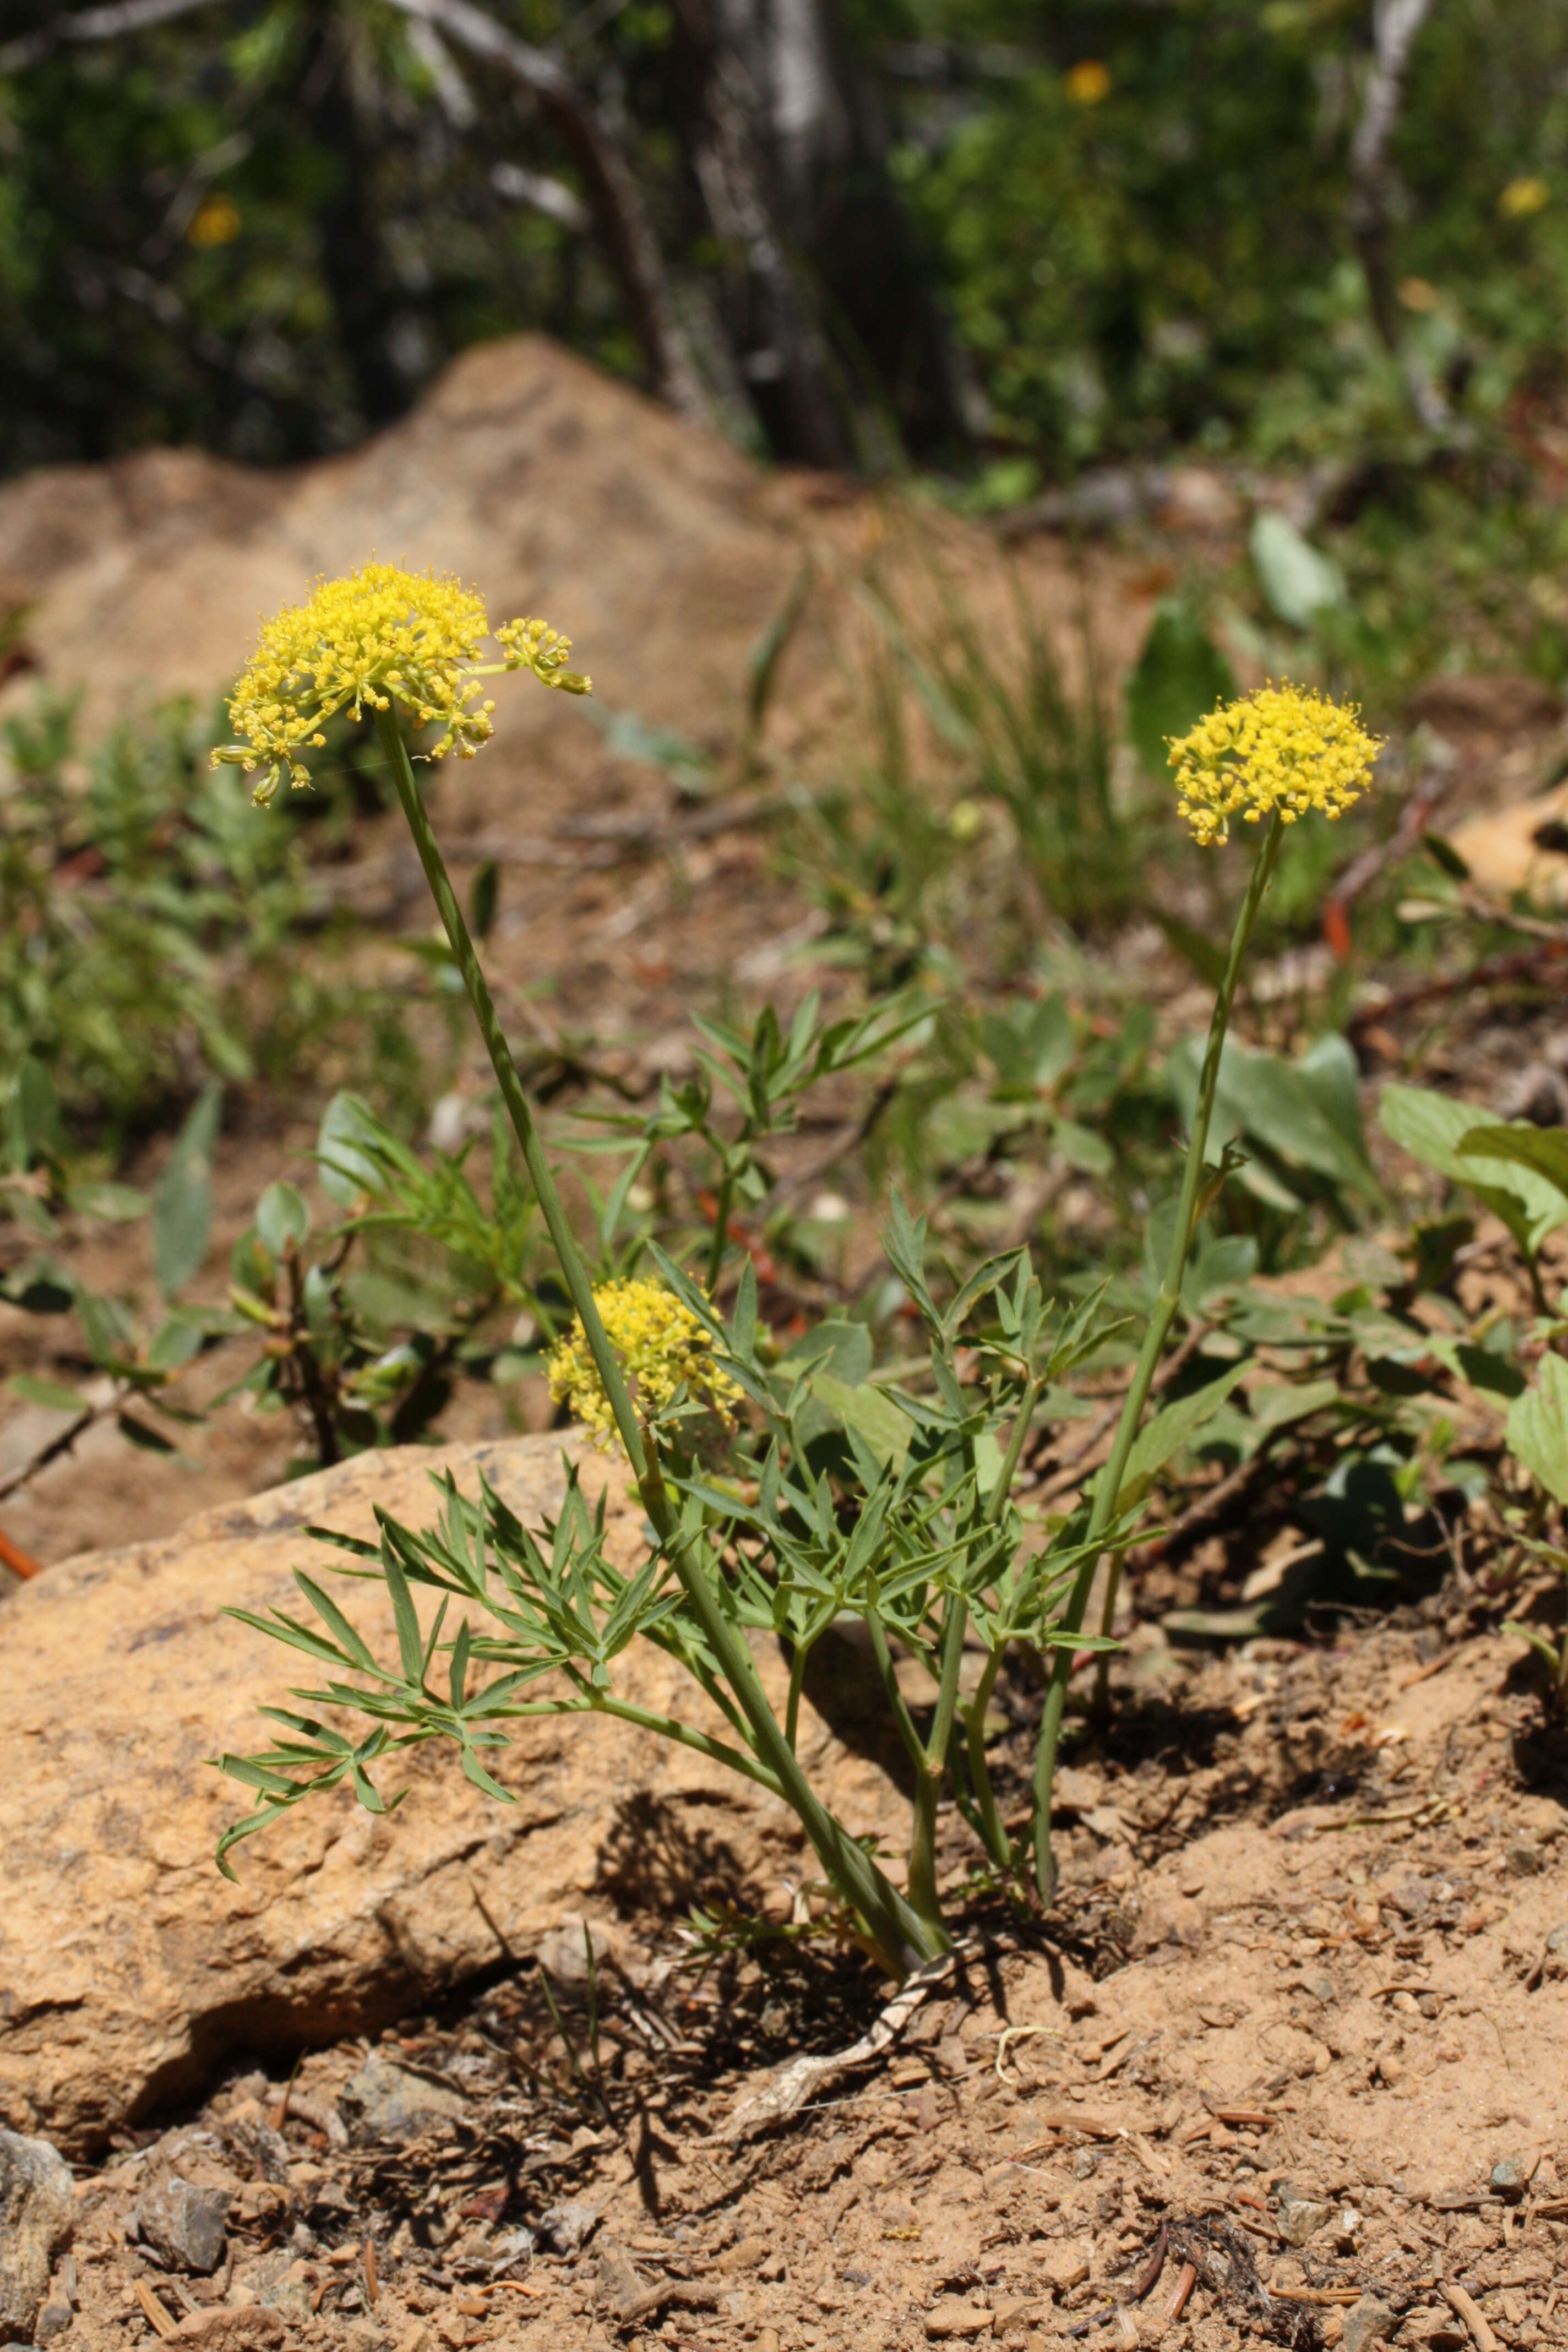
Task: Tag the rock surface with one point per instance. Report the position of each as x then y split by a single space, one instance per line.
388 2102
549 485
182 2210
129 1969
37 2209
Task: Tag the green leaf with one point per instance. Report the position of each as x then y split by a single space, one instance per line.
484 893
1537 1427
33 1126
1431 1127
281 1217
1442 852
743 1321
112 1204
182 1199
142 1434
47 1393
1542 1149
870 1413
410 1648
1297 581
1537 1640
1173 1426
347 1167
1180 676
174 1342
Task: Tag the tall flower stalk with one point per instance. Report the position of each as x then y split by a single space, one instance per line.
1269 759
404 645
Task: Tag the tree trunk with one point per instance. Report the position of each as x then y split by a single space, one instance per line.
827 303
354 262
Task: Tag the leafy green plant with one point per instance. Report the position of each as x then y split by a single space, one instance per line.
897 1511
142 917
368 1324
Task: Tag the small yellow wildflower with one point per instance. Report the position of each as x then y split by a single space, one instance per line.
215 221
1522 197
1283 748
662 1346
383 636
1088 82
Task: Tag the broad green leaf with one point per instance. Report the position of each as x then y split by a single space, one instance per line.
1537 1427
281 1217
870 1413
1542 1149
347 1167
1180 676
182 1199
1298 583
34 1129
1173 1426
1432 1127
113 1204
1296 1109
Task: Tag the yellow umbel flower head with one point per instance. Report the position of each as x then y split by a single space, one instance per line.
662 1347
382 637
1283 748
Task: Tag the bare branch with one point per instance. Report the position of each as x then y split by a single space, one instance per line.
109 24
540 193
615 200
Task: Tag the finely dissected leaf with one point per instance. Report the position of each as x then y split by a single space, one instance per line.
1537 1427
354 1648
183 1198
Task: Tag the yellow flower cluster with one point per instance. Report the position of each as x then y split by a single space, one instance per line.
662 1347
1283 748
382 637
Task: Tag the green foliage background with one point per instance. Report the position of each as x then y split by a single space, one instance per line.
1166 265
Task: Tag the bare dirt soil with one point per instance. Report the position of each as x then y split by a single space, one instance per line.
1291 2064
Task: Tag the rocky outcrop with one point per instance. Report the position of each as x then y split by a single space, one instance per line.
549 485
129 1969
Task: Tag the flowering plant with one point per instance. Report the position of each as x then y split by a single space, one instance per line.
850 1496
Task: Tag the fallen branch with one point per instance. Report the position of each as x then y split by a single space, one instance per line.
787 2093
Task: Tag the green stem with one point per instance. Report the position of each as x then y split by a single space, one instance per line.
931 1768
1108 1486
997 1844
594 1702
900 1938
797 1682
721 1231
